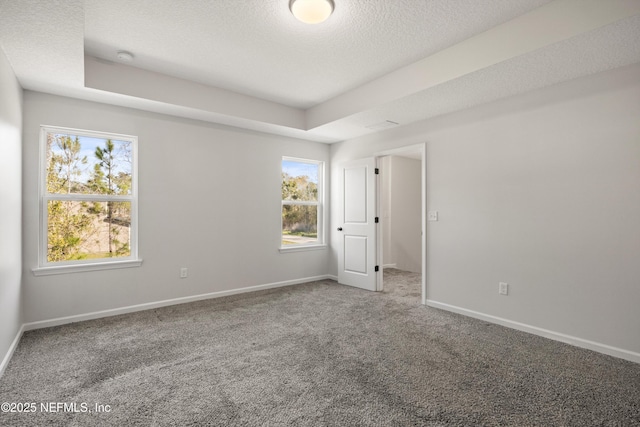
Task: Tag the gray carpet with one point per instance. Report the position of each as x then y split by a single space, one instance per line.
318 354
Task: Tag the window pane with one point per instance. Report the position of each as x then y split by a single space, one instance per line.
85 165
299 224
87 230
299 181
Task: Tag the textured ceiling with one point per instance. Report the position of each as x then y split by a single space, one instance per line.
609 47
250 64
256 47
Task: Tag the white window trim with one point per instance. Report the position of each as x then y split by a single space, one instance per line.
321 243
62 267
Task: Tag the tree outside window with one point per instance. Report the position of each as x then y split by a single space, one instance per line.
301 202
88 196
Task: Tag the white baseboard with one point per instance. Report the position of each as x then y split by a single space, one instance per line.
147 306
12 349
151 305
557 336
394 265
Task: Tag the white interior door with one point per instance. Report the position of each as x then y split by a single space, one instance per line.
356 225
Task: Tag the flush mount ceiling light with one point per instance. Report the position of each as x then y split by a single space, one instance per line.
311 11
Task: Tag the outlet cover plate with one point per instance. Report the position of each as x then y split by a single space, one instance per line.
503 288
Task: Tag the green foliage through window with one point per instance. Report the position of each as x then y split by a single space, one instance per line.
300 202
88 197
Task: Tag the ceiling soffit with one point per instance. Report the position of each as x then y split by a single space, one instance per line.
558 41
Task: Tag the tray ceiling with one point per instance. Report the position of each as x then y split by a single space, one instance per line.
251 64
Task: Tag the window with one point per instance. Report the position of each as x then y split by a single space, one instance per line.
302 198
88 200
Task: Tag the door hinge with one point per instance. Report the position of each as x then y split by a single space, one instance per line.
377 268
377 171
377 220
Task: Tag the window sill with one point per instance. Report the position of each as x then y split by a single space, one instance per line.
301 248
79 268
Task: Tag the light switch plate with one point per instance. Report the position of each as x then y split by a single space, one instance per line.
432 216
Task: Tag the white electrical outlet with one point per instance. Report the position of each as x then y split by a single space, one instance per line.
503 288
183 272
432 216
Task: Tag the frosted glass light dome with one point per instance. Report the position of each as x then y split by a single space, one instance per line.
311 11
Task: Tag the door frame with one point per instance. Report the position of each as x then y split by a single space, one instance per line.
415 148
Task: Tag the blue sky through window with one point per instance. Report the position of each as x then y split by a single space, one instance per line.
88 149
297 168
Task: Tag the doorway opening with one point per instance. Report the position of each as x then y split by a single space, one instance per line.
401 195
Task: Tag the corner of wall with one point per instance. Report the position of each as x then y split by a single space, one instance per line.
11 313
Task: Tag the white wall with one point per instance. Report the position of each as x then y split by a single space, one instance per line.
406 213
10 207
401 212
541 191
209 201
